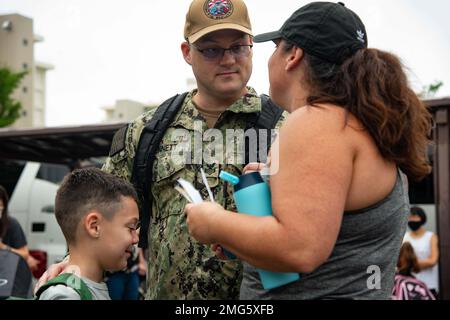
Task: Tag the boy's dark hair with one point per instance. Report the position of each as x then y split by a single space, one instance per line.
89 189
417 211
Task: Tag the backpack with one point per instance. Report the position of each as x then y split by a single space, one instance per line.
70 280
152 135
16 280
410 288
15 276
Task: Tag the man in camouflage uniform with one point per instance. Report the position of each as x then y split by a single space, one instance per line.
179 267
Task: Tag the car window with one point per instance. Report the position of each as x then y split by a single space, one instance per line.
52 172
10 171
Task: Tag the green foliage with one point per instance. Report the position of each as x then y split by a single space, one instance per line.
9 108
431 90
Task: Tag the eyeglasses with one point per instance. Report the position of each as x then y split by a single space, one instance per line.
238 51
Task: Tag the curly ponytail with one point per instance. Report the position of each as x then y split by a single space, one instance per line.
373 87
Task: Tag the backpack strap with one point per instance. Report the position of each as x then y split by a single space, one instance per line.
149 141
267 119
151 137
69 280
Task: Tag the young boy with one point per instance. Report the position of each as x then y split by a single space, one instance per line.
98 215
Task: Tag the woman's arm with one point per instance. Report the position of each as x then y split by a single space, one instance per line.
23 251
433 259
309 192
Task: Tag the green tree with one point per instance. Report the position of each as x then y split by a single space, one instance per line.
431 90
9 108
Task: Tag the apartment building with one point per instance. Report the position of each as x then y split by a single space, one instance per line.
17 41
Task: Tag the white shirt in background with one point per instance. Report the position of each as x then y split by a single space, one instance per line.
422 248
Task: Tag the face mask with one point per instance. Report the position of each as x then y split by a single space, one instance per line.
415 225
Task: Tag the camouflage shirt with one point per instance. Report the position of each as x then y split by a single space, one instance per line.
180 267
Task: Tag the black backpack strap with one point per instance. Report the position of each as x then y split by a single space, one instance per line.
267 119
149 141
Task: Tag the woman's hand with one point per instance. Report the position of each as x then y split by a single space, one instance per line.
33 264
52 272
254 167
3 246
200 219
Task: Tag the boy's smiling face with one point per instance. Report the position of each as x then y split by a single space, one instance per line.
118 235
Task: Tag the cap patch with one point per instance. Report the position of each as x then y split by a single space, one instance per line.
360 36
218 9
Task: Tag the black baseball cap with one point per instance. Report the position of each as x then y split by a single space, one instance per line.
327 30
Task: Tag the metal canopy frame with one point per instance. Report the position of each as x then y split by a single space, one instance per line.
61 145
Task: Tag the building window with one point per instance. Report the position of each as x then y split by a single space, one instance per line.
7 25
24 113
25 89
25 42
25 66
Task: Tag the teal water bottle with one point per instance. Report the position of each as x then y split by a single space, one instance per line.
252 196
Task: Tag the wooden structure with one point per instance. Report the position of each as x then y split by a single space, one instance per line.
441 159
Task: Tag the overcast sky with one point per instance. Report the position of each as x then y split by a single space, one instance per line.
106 50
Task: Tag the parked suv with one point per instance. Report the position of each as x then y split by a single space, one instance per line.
32 188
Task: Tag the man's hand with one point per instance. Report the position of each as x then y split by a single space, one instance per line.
52 272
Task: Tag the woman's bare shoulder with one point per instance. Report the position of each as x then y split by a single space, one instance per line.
322 118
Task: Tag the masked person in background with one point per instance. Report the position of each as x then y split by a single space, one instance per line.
425 244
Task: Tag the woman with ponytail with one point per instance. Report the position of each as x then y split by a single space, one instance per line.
339 169
407 286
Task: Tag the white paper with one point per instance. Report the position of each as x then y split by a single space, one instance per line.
205 182
191 191
183 193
